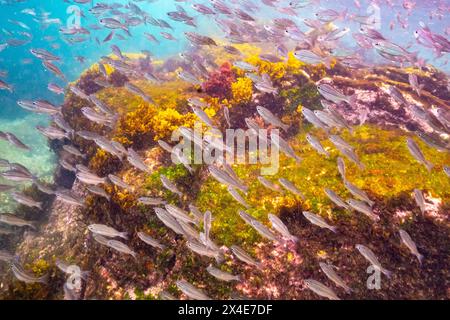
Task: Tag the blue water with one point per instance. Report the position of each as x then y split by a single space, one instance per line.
30 79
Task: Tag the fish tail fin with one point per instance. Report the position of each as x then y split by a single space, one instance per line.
32 226
334 229
127 31
123 235
220 258
420 257
387 273
429 166
348 290
44 278
327 62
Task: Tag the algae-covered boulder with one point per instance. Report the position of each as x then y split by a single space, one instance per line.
380 127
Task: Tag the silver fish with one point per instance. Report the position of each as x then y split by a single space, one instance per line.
362 207
410 244
196 212
312 118
269 184
119 182
207 224
332 94
417 154
90 178
17 176
25 276
106 231
333 276
318 221
16 141
192 234
191 291
189 77
150 241
358 193
202 116
15 221
370 256
101 239
320 289
96 117
137 91
340 143
180 214
224 178
203 250
312 58
235 194
246 217
25 200
414 82
447 171
151 201
70 198
107 146
337 200
420 200
101 105
121 247
135 160
288 185
351 155
88 135
221 275
169 185
98 191
281 144
169 221
315 143
245 257
264 231
164 295
72 150
281 228
270 118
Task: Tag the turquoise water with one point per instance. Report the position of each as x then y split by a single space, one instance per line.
29 79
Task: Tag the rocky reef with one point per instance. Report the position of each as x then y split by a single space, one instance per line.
381 125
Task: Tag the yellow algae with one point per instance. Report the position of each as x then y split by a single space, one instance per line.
242 91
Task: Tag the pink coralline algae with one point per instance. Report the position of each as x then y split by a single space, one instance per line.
219 83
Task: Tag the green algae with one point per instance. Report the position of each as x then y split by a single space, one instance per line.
390 173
